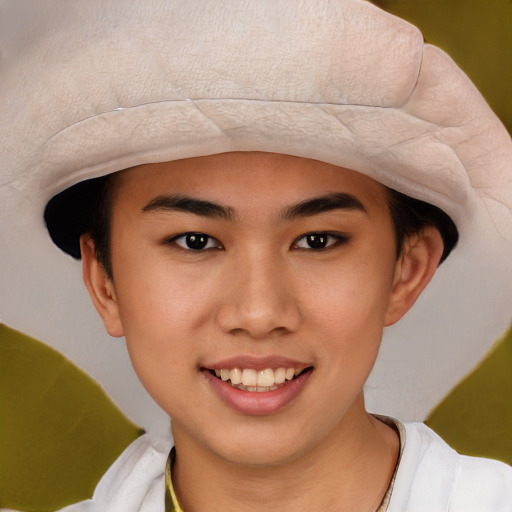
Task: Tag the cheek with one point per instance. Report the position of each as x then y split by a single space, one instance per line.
166 311
154 310
156 295
356 293
349 310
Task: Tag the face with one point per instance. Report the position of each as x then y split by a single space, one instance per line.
252 289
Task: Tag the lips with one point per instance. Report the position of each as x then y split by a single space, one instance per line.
256 387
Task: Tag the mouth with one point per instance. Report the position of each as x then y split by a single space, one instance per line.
258 386
259 381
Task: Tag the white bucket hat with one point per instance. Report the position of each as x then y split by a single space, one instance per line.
89 87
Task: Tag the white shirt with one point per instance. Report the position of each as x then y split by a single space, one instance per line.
431 477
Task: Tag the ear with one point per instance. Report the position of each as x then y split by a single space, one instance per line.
413 271
100 287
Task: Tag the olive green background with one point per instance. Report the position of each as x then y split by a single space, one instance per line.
59 432
476 417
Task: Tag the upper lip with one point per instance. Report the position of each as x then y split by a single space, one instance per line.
257 363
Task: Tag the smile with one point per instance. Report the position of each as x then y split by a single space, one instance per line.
248 379
253 386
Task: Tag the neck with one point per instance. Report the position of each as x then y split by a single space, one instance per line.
349 471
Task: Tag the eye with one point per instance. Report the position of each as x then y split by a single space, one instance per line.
320 240
196 241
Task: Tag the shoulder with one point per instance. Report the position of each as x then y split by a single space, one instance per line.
433 476
483 484
135 482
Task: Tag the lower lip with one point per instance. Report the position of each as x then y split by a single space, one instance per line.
258 403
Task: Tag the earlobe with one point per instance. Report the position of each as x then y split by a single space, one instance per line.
413 271
100 288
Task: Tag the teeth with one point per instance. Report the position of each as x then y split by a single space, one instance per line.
249 377
280 375
235 376
266 378
257 381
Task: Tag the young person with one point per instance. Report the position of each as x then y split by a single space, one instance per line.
256 190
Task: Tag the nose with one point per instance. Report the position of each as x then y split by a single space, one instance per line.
259 300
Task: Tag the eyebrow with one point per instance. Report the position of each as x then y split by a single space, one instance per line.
322 204
189 205
309 207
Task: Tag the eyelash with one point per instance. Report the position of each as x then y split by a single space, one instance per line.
324 241
194 237
330 239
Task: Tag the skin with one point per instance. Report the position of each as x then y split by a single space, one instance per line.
259 289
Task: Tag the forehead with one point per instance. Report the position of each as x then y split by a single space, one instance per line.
242 179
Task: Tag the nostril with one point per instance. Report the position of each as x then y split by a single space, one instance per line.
280 331
238 331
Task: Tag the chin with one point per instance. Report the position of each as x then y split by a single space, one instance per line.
260 450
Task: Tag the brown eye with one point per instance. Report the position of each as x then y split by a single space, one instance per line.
320 240
317 241
196 241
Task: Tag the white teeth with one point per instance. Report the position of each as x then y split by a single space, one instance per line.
280 375
235 376
266 378
249 377
257 381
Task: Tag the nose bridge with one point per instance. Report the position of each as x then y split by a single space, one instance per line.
260 301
